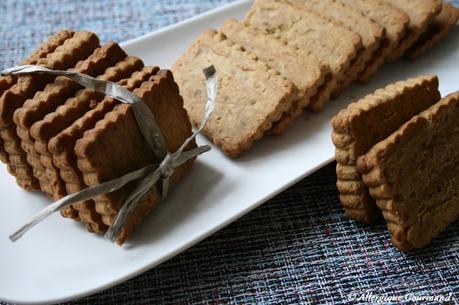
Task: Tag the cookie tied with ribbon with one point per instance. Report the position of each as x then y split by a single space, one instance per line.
105 148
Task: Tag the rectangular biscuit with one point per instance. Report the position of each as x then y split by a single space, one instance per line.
250 96
73 49
162 96
439 28
394 21
62 145
73 108
305 71
332 43
47 100
421 13
371 33
366 122
413 175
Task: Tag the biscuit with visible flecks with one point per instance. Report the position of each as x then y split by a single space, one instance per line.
310 76
251 97
369 58
422 13
302 29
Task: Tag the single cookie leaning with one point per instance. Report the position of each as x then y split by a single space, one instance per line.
329 41
62 148
161 95
364 123
395 23
439 28
65 56
310 76
250 96
371 33
422 13
413 175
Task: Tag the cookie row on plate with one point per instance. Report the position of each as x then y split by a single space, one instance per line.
288 55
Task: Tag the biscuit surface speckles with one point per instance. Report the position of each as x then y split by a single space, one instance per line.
412 174
250 95
364 123
302 69
331 42
393 20
370 32
422 14
439 28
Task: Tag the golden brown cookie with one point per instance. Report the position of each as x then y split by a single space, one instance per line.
371 33
422 13
413 175
250 96
395 23
332 43
305 71
366 122
439 28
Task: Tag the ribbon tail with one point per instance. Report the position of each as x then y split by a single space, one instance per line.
189 154
90 192
131 203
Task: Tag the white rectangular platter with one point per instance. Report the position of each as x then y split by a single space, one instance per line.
59 261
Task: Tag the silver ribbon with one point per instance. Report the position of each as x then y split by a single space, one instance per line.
145 119
148 175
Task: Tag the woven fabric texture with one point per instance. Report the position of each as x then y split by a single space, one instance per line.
297 248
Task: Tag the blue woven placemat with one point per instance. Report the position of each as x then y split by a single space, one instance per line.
297 248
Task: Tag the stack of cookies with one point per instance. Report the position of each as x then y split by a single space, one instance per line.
288 55
396 154
60 138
